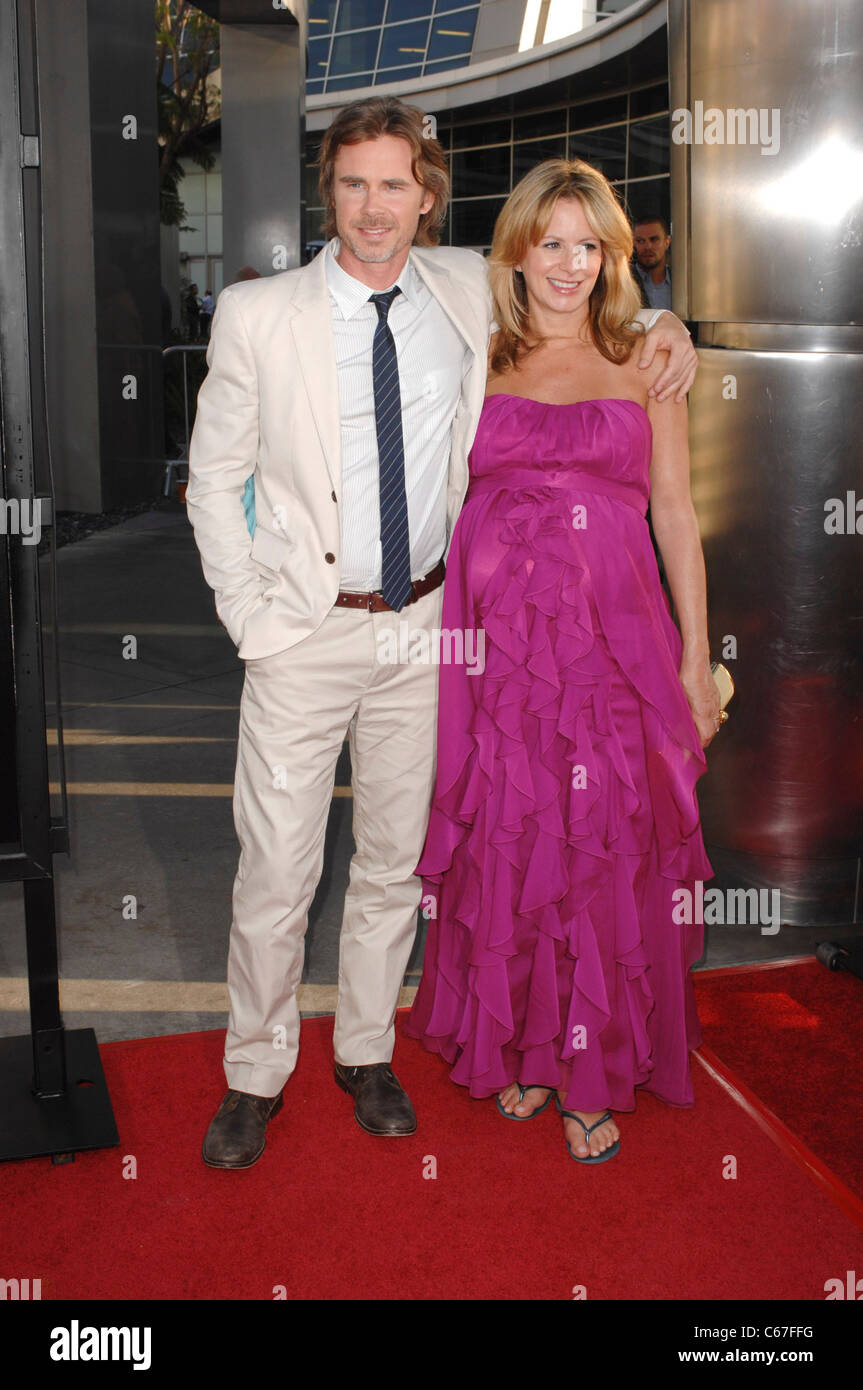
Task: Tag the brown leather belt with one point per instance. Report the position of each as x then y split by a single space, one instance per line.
375 602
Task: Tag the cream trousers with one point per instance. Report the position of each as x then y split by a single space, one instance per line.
295 710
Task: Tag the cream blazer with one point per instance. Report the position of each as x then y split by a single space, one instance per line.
269 405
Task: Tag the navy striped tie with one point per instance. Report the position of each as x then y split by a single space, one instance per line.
395 537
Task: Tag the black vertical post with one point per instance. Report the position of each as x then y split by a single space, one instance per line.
53 1097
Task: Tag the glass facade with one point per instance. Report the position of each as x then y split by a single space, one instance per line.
201 243
625 135
358 43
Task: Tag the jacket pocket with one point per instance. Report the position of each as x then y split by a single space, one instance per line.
269 549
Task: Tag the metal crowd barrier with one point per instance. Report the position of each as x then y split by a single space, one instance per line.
182 461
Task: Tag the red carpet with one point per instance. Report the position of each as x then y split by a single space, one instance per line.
330 1212
793 1034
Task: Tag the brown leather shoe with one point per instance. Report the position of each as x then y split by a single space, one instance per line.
380 1104
237 1135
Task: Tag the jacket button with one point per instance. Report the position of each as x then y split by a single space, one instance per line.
333 495
330 558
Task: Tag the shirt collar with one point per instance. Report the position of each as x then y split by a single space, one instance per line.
645 275
351 294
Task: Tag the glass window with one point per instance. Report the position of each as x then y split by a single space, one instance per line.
321 16
315 219
193 241
310 185
473 223
318 53
197 273
444 6
214 234
360 14
526 156
191 190
408 9
589 113
540 123
444 130
648 148
214 191
313 86
649 197
604 149
354 52
648 100
452 35
359 79
397 74
482 133
403 43
480 171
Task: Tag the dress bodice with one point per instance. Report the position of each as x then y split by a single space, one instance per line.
601 445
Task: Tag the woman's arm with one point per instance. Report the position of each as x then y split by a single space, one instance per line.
675 527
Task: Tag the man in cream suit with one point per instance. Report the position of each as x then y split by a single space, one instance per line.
356 414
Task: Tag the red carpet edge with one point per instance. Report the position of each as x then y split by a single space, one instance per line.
784 1138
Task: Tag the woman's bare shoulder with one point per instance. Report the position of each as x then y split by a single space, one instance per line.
641 379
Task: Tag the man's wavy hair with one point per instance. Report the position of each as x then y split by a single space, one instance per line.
369 120
523 222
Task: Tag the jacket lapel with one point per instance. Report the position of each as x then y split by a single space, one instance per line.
452 300
312 328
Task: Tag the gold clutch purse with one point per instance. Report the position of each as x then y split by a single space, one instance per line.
725 686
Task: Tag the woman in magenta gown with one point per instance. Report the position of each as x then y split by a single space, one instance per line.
564 816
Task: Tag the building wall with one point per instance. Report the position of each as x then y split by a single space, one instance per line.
125 211
69 299
624 133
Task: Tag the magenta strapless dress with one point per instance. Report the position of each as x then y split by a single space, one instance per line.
564 814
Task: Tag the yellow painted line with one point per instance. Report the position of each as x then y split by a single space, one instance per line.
87 738
134 704
163 996
133 629
157 789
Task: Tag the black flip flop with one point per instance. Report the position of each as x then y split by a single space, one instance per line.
521 1094
588 1130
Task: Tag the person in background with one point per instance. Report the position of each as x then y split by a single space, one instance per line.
208 304
192 313
652 239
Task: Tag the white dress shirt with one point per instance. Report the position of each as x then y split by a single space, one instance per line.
432 360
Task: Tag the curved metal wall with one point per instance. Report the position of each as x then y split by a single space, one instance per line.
768 262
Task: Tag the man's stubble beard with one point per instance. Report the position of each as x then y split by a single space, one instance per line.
383 255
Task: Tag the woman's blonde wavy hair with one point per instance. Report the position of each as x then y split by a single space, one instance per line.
522 223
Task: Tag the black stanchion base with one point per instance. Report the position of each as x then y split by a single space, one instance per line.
82 1117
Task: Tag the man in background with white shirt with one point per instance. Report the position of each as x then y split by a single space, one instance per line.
353 388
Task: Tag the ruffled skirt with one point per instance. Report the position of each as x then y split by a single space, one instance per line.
564 817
